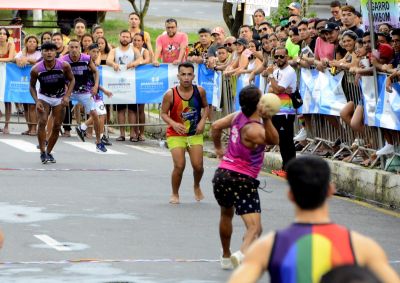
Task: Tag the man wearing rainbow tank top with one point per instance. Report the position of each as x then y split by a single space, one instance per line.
235 184
312 245
182 109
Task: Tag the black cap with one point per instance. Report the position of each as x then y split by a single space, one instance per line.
48 46
330 26
204 30
93 46
241 41
16 20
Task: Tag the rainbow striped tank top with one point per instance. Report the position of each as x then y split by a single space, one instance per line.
187 112
303 252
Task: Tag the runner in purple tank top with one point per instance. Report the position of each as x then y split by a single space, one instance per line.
52 74
235 183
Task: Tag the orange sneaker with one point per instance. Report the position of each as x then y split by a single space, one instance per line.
280 173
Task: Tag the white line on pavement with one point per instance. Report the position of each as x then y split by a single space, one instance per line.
150 150
21 145
52 243
91 147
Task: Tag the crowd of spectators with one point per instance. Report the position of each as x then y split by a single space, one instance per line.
338 43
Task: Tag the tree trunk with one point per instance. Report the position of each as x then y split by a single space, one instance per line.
233 22
142 13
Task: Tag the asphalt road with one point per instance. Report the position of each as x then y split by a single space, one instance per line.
113 208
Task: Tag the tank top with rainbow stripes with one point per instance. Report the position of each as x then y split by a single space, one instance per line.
186 112
303 252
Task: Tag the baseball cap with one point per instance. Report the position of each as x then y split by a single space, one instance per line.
330 26
294 5
241 41
218 30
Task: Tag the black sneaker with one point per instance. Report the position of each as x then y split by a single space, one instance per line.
43 157
81 133
105 140
50 158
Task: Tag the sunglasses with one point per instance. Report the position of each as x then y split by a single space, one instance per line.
280 56
228 44
294 22
262 29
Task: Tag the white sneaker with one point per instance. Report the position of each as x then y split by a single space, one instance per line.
387 149
237 258
301 135
226 263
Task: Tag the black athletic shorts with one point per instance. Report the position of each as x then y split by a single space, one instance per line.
238 190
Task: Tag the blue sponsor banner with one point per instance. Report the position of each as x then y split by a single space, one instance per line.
205 78
151 83
387 112
17 84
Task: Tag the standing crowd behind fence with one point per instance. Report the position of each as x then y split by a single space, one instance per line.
336 45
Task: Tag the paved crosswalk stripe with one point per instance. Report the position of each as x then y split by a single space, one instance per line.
91 147
21 145
150 150
52 243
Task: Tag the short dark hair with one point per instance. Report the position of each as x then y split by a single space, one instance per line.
350 274
65 28
185 65
302 22
222 47
134 13
48 46
265 36
282 48
266 23
244 26
204 30
308 178
57 34
74 40
396 31
171 20
386 36
80 20
125 31
248 99
335 4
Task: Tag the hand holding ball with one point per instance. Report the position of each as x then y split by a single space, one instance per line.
269 105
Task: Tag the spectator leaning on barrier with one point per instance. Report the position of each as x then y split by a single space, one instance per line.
134 28
29 55
336 11
7 54
222 59
282 80
171 46
349 20
198 53
312 29
218 35
264 28
287 254
125 56
241 50
331 31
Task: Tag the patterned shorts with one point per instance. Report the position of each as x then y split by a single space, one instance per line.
238 190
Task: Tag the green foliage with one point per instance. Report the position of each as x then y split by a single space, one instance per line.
282 11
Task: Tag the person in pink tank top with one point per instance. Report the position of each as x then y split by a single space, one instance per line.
235 183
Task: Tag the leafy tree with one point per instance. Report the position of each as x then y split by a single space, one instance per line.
141 11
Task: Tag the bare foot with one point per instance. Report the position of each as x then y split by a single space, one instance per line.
198 194
174 199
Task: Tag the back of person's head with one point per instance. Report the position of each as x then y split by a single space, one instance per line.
248 99
308 178
65 29
349 274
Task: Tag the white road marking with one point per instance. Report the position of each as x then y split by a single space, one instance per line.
91 147
21 145
150 150
53 243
